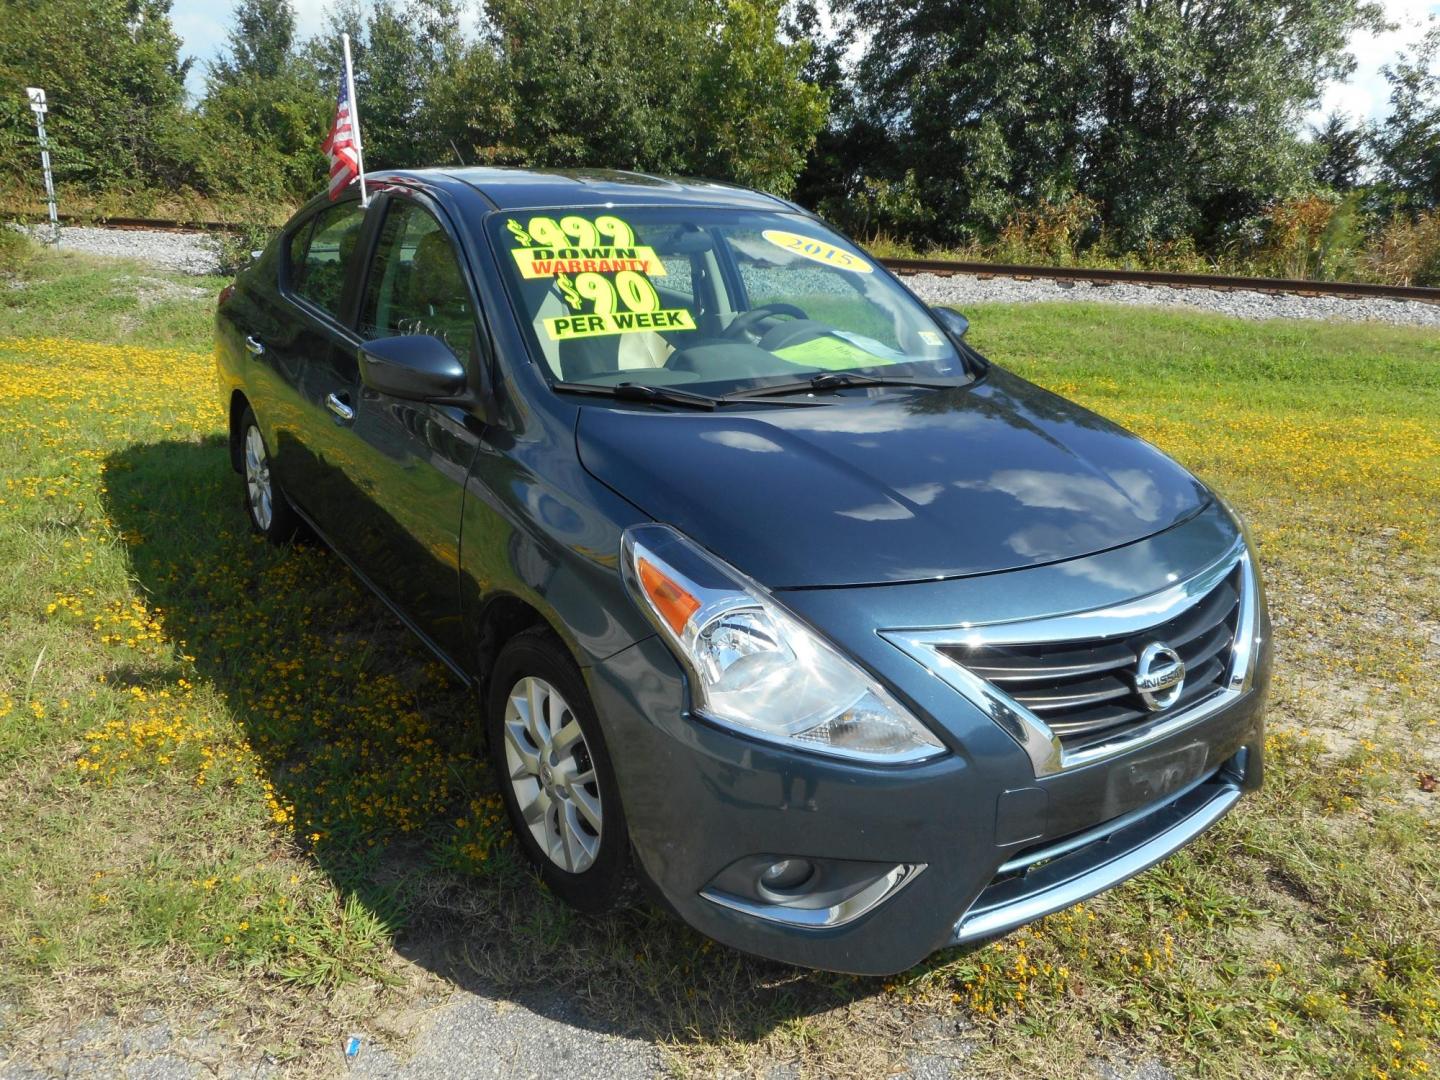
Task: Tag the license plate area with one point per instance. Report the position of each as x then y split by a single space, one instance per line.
1156 777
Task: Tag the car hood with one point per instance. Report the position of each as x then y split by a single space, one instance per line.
890 485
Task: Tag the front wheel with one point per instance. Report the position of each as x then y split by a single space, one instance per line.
555 775
270 512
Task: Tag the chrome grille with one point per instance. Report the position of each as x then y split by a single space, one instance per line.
1084 689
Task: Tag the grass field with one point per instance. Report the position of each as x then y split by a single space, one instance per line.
234 791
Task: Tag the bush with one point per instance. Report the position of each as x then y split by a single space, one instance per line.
16 248
1407 250
1315 237
1052 232
1293 234
233 247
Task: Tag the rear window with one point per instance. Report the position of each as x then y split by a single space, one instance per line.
320 255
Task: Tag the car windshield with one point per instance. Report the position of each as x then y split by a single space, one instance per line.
714 300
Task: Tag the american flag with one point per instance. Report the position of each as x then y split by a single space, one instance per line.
339 145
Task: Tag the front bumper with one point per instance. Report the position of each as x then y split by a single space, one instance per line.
698 798
1004 831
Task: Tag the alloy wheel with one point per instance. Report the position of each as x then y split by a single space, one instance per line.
257 479
552 774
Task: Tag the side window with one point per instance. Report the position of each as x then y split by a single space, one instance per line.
415 285
677 286
299 242
320 255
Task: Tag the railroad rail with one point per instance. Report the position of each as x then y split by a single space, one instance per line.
1350 290
147 224
1099 276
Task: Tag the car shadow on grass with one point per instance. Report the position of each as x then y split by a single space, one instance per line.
373 754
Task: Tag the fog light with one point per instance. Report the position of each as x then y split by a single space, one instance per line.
787 875
807 893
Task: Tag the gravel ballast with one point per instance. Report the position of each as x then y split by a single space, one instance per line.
186 253
960 290
191 253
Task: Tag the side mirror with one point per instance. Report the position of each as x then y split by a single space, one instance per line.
416 367
955 324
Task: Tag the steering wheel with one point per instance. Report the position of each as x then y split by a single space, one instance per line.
741 327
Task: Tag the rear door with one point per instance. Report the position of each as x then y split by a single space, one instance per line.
408 460
311 358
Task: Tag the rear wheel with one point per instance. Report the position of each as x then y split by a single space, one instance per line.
555 775
270 512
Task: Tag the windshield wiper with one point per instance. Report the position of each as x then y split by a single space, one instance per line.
662 395
628 391
840 380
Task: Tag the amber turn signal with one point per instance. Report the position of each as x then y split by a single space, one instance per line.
674 604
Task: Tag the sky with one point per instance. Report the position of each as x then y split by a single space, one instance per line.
1366 95
202 26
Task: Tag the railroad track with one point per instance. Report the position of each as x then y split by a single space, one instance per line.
146 224
1349 290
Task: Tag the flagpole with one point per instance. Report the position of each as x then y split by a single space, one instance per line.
355 119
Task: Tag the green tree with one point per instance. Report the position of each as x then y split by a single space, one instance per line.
1177 118
260 43
265 110
116 88
582 95
833 174
1341 153
1408 143
757 115
472 112
723 97
407 55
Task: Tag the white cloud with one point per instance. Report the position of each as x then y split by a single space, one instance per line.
1366 94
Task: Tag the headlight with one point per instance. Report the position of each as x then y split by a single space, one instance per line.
754 666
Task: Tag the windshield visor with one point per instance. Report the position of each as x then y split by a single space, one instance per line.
716 300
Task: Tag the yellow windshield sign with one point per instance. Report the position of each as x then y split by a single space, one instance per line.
613 278
568 327
548 262
819 251
574 245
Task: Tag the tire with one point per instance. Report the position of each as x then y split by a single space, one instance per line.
269 511
575 832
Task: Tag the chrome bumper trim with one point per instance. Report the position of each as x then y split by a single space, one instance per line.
983 921
1098 832
826 918
1048 755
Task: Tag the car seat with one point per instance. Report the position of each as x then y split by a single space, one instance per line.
438 296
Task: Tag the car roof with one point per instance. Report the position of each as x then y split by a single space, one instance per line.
524 189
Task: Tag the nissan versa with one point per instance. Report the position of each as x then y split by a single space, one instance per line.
776 596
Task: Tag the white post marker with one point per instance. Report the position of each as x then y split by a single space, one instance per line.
355 119
38 106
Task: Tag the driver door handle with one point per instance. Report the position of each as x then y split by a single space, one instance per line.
254 345
340 407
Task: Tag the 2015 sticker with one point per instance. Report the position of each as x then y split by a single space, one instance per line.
819 251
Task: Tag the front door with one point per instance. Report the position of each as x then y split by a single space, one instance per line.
409 459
